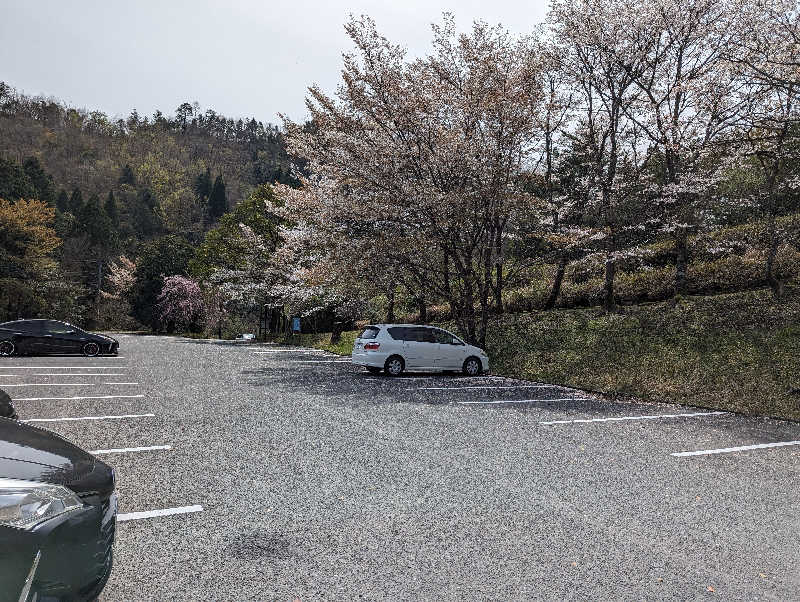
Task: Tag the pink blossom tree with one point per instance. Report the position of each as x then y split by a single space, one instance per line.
180 304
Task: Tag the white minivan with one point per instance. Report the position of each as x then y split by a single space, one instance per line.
395 348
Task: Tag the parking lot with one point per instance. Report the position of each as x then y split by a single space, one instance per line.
257 472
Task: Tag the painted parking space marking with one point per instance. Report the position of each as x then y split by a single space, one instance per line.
62 367
125 450
77 397
120 383
728 450
289 351
624 418
156 513
319 362
484 387
117 417
78 374
493 401
51 385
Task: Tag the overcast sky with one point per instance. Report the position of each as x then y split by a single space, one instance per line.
240 57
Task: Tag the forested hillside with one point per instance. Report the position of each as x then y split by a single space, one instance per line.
107 186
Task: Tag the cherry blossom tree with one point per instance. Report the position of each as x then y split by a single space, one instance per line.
593 43
180 303
768 53
688 97
121 278
422 158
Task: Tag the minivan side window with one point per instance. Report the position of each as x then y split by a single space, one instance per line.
422 335
399 333
370 332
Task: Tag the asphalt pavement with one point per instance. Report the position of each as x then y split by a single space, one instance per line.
252 472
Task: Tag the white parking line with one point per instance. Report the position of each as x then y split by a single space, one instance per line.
124 450
622 418
319 362
120 383
62 367
484 387
77 397
89 418
156 513
77 374
51 385
289 351
527 400
727 450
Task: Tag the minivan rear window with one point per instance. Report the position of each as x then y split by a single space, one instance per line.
370 332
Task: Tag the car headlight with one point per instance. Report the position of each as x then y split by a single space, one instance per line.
25 504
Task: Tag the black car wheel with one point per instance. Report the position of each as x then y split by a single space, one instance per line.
6 348
394 366
91 349
472 366
373 370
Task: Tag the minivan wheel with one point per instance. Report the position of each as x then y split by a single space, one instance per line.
394 366
91 349
6 348
373 370
472 366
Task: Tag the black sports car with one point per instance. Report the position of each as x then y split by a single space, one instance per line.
51 336
58 515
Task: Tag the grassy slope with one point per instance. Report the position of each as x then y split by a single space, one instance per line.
737 352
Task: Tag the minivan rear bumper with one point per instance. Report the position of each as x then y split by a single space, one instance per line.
373 359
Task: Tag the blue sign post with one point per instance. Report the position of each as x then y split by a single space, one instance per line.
295 325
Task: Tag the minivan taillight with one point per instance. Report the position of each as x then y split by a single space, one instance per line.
371 346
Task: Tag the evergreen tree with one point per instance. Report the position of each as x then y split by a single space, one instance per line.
127 176
75 202
62 201
217 201
111 209
147 221
41 180
93 221
202 185
156 259
14 182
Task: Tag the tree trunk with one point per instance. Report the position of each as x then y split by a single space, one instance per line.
681 262
498 266
390 309
423 310
498 288
556 288
609 304
336 332
775 283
